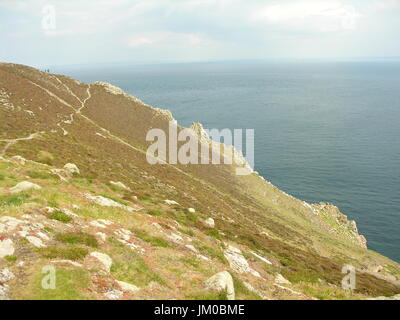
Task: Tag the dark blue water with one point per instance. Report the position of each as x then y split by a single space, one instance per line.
324 131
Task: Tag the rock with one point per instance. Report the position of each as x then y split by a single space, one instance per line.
191 210
114 294
18 159
10 223
222 282
261 258
281 279
6 275
6 248
210 222
38 243
175 237
25 186
102 236
120 185
104 259
375 269
128 287
72 168
191 248
171 202
4 289
238 262
106 202
396 297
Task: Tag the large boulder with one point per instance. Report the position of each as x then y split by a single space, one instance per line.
104 259
222 282
25 186
210 222
72 168
120 185
6 248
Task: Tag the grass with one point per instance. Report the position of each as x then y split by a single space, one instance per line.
241 292
211 252
59 216
130 267
155 213
11 259
78 238
39 175
45 157
211 295
68 253
213 233
13 200
154 241
70 285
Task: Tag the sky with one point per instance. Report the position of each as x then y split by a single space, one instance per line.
65 32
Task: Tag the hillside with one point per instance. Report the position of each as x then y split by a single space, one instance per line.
116 227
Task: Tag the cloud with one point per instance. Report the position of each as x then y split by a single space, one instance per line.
164 38
318 16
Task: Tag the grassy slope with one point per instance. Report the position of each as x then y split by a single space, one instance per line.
298 241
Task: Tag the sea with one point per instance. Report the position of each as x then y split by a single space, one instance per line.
325 131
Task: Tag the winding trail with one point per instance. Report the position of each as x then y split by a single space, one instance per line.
10 142
78 111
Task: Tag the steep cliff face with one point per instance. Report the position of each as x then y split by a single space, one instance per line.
117 227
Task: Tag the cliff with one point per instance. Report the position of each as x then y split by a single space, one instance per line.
77 194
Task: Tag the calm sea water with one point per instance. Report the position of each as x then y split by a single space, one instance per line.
324 131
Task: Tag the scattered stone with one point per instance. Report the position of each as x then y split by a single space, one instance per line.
222 282
191 210
114 294
38 243
128 287
6 248
191 248
171 202
4 289
105 260
261 258
6 275
72 168
102 236
120 185
210 222
281 279
106 202
18 159
174 237
238 262
25 186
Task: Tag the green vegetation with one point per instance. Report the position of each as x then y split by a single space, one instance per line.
78 238
39 175
208 295
59 216
154 241
45 157
70 285
68 253
130 267
13 200
11 258
211 252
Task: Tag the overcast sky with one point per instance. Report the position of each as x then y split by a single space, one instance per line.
62 32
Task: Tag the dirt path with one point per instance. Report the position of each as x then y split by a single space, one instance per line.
10 142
